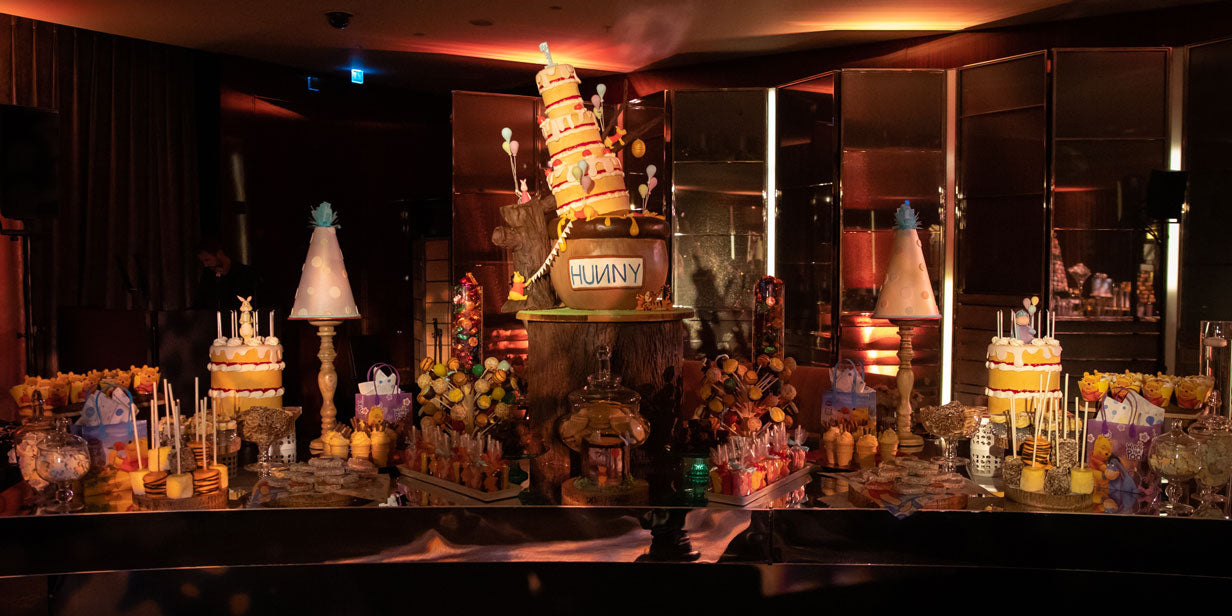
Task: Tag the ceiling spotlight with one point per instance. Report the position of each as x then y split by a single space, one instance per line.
339 19
481 22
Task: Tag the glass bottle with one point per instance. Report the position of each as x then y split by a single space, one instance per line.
62 458
603 425
1175 456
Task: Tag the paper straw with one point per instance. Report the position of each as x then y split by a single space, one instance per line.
132 411
1013 427
1035 448
154 419
214 405
1085 419
179 464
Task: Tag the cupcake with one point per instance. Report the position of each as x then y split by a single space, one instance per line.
844 447
866 451
888 444
361 445
828 442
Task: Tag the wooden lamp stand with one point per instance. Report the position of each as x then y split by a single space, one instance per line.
907 440
327 378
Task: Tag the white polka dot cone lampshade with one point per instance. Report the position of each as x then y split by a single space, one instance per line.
324 290
906 293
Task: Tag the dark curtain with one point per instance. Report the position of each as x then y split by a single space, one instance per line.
125 237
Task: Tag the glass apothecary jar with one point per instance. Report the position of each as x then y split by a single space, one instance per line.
1175 456
603 424
1214 433
61 459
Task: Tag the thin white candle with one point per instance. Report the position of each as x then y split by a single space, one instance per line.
271 327
197 404
218 319
256 323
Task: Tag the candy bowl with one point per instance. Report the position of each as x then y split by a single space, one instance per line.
266 426
951 423
61 459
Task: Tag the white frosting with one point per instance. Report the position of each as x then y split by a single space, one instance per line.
217 367
558 73
1017 395
255 341
267 352
578 204
260 393
1003 349
1027 368
554 129
272 341
220 342
235 342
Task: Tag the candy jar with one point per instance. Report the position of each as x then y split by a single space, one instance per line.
61 459
603 425
467 333
1214 433
768 318
1175 456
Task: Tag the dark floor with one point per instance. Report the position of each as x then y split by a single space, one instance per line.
556 588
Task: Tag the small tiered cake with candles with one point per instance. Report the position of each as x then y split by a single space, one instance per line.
1023 365
246 369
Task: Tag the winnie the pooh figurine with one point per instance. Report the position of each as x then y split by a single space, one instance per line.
517 287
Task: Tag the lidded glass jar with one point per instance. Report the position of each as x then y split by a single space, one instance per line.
1175 456
33 430
1214 432
603 424
62 458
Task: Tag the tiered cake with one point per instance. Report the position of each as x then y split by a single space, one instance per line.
1018 370
572 136
246 370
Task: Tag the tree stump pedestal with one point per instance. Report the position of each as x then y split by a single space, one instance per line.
647 353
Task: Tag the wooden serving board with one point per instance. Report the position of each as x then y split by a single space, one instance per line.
774 488
217 500
487 497
1056 502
